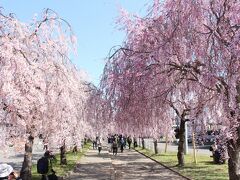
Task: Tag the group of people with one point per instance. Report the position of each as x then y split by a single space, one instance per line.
119 141
115 142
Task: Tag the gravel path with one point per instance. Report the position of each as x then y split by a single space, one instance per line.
128 165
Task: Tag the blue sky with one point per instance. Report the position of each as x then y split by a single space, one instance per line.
93 22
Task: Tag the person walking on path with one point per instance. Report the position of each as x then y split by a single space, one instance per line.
94 144
99 144
99 147
115 147
134 143
129 140
121 144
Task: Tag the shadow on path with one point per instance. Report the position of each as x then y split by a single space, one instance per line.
124 166
132 165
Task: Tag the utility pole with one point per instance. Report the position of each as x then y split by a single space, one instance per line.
186 139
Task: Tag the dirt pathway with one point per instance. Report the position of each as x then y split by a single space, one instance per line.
128 165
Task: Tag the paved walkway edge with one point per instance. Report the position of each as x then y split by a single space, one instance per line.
163 165
71 171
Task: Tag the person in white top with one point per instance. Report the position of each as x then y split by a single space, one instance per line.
45 145
5 170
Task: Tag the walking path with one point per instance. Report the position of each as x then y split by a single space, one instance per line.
124 166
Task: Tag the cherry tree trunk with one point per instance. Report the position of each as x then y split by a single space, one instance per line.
63 159
26 173
143 143
234 158
75 149
180 154
155 146
234 148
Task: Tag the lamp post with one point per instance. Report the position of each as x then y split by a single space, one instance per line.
186 138
194 143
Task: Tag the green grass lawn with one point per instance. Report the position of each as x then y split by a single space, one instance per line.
205 169
61 170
